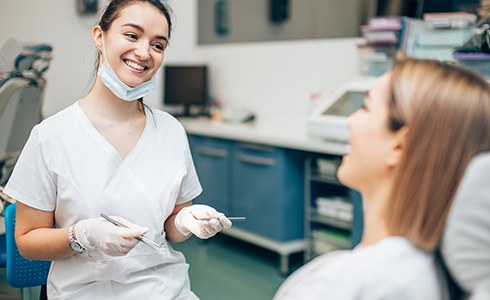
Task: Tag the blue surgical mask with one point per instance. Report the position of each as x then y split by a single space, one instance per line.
119 88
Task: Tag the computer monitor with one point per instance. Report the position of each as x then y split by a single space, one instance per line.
186 86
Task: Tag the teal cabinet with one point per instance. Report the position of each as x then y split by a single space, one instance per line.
262 183
212 159
268 189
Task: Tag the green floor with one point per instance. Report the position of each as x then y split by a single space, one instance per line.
6 292
220 268
225 268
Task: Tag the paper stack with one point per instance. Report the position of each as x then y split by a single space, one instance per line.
334 208
325 240
441 34
382 38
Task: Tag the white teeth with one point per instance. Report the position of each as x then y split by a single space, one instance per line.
134 65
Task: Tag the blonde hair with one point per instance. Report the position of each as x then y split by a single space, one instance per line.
447 112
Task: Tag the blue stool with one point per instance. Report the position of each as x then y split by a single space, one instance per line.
21 272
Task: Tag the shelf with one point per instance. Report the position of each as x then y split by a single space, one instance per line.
326 178
315 217
336 244
324 233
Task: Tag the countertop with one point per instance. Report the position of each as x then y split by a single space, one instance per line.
284 134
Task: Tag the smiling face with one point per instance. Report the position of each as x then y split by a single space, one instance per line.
371 142
134 43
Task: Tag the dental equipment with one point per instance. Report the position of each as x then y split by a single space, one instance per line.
142 238
237 218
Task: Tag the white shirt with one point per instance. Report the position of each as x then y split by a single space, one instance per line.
390 269
67 167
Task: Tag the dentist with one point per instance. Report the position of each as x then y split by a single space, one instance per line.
109 153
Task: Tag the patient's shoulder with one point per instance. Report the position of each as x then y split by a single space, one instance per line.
395 269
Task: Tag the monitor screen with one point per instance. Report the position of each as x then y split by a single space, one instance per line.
347 104
185 85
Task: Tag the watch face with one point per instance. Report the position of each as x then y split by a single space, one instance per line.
76 246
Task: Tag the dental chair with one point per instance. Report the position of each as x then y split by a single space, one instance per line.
22 85
466 242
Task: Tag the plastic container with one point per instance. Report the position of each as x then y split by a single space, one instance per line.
376 60
443 38
450 20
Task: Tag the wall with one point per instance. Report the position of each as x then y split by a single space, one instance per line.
271 78
275 79
55 22
250 21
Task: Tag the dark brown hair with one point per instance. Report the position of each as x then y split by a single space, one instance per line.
115 6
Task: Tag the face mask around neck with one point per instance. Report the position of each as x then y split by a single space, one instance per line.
119 88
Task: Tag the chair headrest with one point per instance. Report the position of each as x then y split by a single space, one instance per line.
8 53
32 55
466 240
15 57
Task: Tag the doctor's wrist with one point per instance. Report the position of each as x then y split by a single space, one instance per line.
73 242
179 222
81 234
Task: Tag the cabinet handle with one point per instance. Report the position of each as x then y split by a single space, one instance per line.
254 160
213 152
257 147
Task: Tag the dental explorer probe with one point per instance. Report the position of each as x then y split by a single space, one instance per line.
229 218
142 238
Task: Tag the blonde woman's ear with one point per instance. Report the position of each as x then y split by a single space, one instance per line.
397 147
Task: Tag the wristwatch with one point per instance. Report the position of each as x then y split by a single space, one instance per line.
74 244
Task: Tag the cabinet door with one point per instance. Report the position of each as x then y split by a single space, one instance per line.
212 161
267 189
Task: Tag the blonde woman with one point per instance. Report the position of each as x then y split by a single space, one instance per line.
409 145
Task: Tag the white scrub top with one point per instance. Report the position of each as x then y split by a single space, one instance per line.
390 269
69 168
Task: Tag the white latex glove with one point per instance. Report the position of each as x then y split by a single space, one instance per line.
107 237
202 220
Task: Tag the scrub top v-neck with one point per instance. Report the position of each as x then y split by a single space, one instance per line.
69 168
105 144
